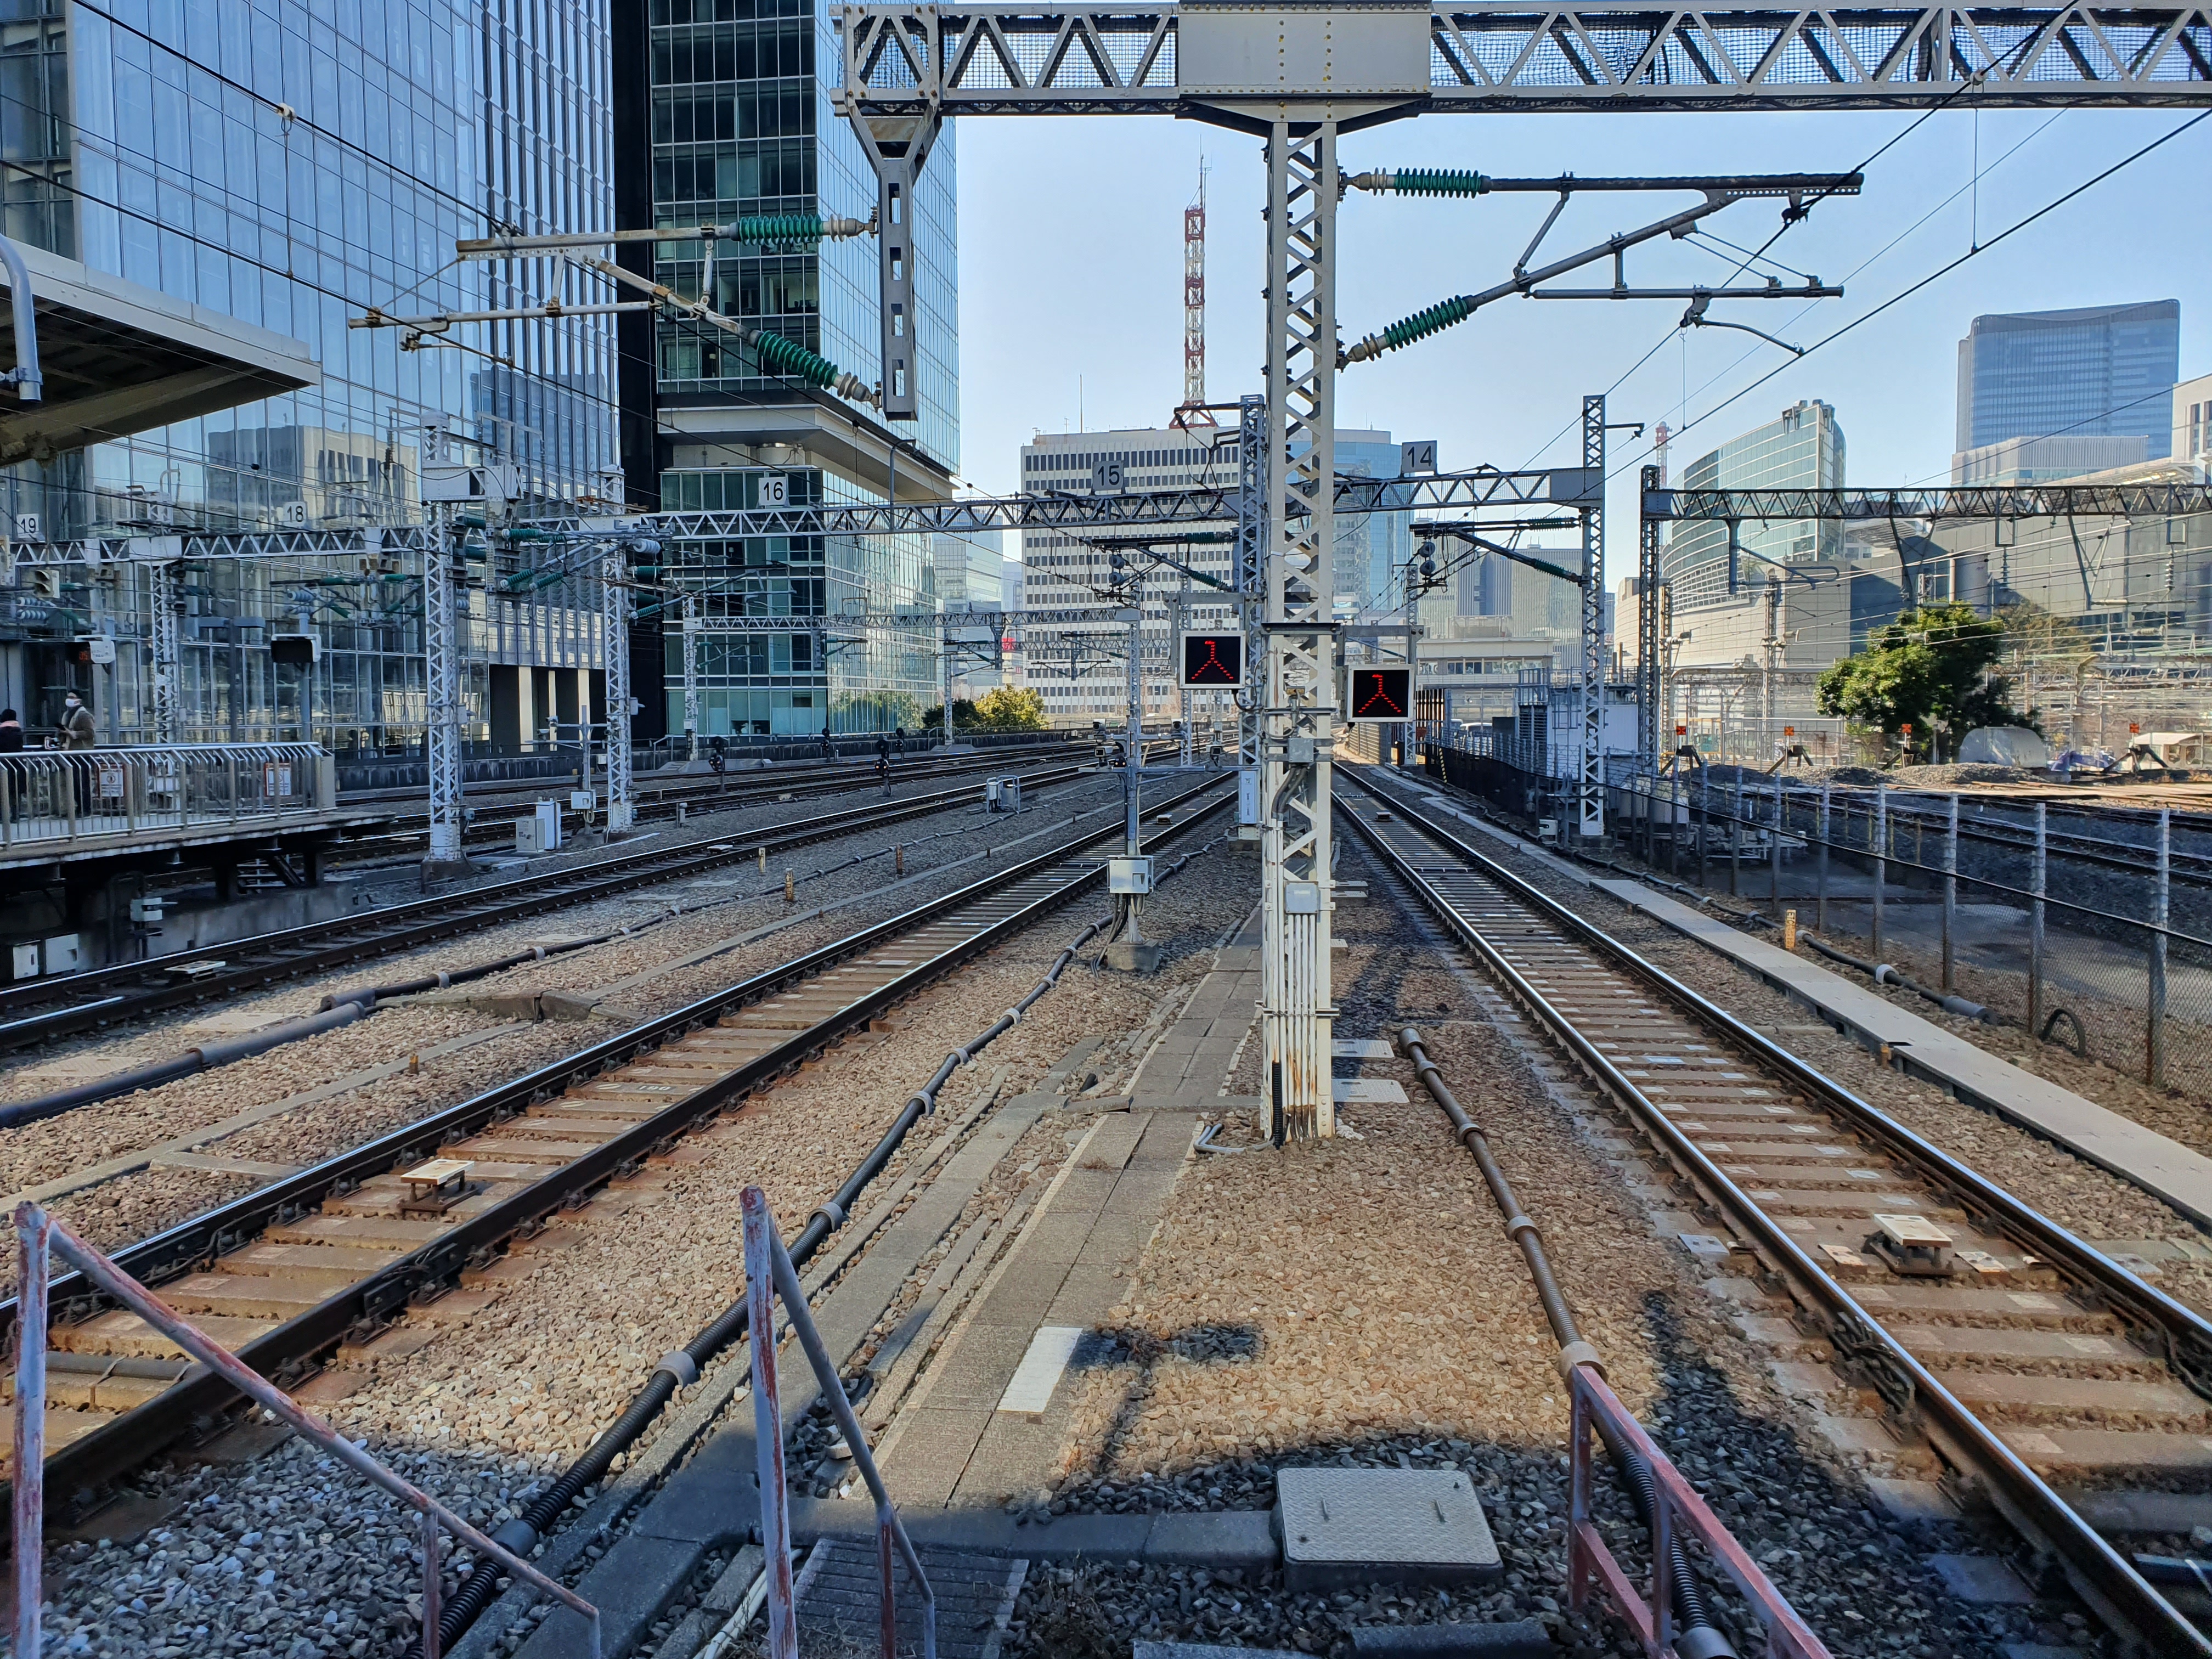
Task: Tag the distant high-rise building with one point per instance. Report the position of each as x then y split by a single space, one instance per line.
2096 372
1801 449
721 113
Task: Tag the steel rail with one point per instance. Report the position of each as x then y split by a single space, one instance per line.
423 921
200 1396
736 790
2102 1576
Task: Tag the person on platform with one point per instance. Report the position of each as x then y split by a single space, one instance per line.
11 732
77 730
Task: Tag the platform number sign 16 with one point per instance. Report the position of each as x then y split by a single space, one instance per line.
774 490
1107 476
1383 695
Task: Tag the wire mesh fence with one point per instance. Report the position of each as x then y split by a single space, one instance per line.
2090 928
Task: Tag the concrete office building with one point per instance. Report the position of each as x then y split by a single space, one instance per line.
1082 668
2090 385
2193 421
205 195
721 113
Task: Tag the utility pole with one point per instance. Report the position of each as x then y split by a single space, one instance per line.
614 623
691 675
1248 573
1590 806
1298 713
442 738
1653 727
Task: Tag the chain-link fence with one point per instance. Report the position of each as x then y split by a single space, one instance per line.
2090 926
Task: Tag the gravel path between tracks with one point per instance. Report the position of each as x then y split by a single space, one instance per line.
283 1558
2091 1202
1357 1302
132 1206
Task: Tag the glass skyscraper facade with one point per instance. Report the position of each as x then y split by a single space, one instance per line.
2099 371
1802 449
287 165
741 122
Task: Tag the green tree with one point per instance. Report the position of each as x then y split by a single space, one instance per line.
1932 664
964 716
1009 708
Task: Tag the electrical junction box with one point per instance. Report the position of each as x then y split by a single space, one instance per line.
541 832
1132 876
1301 898
1002 794
24 961
1247 795
62 954
582 800
147 909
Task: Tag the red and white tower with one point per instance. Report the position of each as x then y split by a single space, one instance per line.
1192 412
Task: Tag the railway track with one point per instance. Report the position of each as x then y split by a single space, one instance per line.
1989 1334
285 1274
40 1010
409 833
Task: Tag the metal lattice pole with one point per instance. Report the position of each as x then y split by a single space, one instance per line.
168 695
614 620
441 648
1298 714
1590 796
1251 559
691 675
1649 657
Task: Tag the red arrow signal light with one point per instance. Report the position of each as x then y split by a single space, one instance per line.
1384 696
1215 660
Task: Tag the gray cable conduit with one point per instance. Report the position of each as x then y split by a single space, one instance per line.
1695 1638
681 1368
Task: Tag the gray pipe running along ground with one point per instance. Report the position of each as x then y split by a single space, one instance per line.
682 1367
1696 1638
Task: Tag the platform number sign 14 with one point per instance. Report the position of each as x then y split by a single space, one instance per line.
1378 695
1213 659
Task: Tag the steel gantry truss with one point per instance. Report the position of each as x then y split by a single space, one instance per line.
1161 60
1659 507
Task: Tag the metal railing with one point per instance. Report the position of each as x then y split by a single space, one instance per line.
769 1274
2089 929
38 1236
1676 1509
63 798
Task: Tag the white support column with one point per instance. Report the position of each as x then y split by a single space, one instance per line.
168 693
1251 562
691 675
441 646
1297 716
1590 795
614 622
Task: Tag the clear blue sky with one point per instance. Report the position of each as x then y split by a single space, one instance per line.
1070 276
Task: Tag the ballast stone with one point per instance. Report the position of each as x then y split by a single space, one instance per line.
1352 1527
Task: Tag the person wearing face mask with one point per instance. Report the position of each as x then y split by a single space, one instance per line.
77 729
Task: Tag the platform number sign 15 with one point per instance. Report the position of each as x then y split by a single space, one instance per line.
1378 695
1107 476
1213 659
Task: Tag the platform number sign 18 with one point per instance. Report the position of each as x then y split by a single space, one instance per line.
1378 695
1213 659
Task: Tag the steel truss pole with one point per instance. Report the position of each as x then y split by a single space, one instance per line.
1650 663
168 693
1297 717
691 675
442 738
1250 568
614 622
1590 796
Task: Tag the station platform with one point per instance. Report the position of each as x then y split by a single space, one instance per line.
2167 1171
120 807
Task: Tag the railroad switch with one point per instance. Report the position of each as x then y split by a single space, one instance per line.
1911 1245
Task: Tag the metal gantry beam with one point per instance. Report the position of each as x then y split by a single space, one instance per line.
2052 501
930 62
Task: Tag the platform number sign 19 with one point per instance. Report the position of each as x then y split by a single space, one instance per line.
1213 659
1378 695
